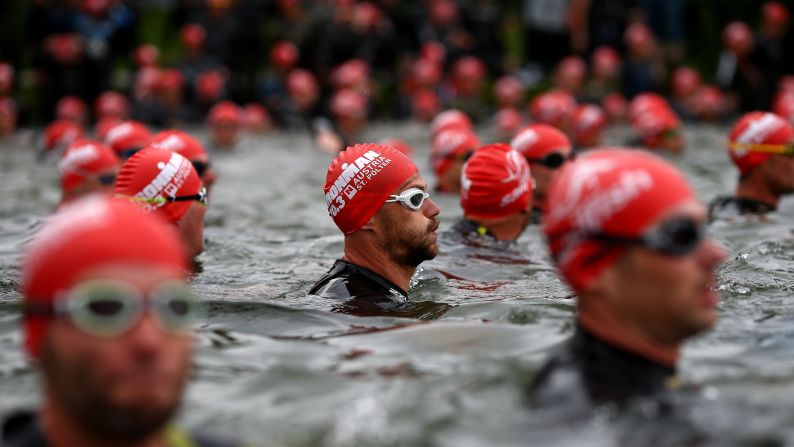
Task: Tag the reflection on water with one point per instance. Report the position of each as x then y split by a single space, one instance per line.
276 365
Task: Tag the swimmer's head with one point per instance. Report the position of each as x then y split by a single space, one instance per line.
756 137
496 185
360 180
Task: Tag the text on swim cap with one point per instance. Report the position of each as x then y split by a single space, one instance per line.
353 178
171 177
76 157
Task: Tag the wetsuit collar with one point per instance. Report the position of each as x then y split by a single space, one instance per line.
385 283
639 347
470 226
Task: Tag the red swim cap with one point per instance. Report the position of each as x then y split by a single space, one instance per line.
614 191
757 128
508 121
570 72
181 143
554 108
425 105
225 112
449 145
588 123
495 182
615 106
508 91
449 119
654 125
152 174
685 81
70 108
638 37
91 233
606 62
284 54
426 72
737 37
646 101
147 55
111 104
360 180
82 159
539 140
210 85
192 35
775 13
172 79
256 117
349 103
6 77
60 134
435 51
128 135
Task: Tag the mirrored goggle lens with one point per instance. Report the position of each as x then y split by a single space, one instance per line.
677 237
201 167
104 309
175 306
553 160
107 179
109 309
416 199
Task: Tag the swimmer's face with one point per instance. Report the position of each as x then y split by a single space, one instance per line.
544 176
779 174
224 134
409 237
450 180
123 387
666 298
191 227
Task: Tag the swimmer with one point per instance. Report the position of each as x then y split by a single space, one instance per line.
107 320
167 184
546 149
379 201
87 167
496 193
127 137
190 148
451 148
760 145
627 234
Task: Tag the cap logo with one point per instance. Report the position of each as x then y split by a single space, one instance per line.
353 178
583 177
77 156
170 143
525 140
759 130
119 131
516 170
168 181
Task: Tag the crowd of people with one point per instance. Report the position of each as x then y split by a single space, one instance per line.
107 310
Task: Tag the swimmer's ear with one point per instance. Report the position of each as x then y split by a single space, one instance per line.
371 224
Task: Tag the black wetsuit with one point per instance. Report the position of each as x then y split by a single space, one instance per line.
365 293
467 227
22 429
726 207
588 372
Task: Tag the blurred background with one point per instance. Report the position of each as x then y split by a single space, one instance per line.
174 59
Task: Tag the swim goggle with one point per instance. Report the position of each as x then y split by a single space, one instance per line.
552 160
129 152
675 237
200 197
200 166
110 308
411 198
782 149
